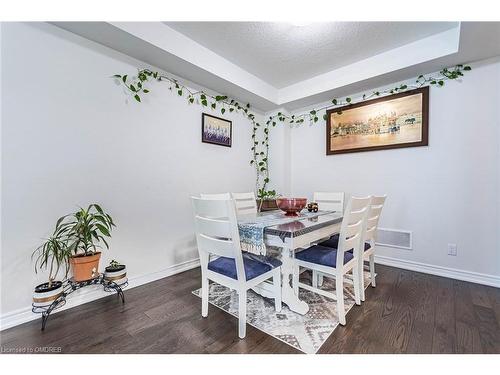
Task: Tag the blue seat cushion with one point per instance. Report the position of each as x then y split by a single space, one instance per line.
326 256
255 265
333 242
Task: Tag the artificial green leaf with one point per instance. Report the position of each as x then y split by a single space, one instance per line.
334 101
137 97
204 102
145 91
222 110
348 100
179 92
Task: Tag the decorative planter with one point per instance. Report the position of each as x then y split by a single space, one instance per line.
85 267
117 274
267 204
43 295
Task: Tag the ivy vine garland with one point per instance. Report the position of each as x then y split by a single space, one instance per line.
260 148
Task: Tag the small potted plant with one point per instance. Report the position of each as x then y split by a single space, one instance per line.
116 273
52 254
266 200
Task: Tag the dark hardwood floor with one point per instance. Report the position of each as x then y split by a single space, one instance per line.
408 312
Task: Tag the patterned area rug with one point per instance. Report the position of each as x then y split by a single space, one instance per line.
306 333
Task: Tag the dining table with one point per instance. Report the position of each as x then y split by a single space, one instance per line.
260 232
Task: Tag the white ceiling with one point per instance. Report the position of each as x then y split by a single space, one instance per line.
277 65
282 54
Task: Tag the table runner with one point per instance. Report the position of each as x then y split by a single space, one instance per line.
251 227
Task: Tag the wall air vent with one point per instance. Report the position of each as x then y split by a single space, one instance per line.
401 239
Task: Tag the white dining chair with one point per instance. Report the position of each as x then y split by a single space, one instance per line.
329 201
218 196
245 203
369 238
217 234
370 227
337 262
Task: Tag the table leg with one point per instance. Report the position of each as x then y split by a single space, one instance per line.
287 293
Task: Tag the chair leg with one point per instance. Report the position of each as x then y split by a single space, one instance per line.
339 285
204 296
357 288
362 281
320 280
315 279
295 279
242 314
277 291
372 270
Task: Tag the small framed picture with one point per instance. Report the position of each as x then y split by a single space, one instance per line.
216 130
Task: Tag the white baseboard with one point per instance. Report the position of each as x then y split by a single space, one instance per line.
89 294
24 315
452 273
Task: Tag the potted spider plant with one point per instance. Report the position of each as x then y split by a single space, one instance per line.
52 254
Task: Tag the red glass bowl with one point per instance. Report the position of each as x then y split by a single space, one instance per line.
291 206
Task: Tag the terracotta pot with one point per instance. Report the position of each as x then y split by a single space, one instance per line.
85 267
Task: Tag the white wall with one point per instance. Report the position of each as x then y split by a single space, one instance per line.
445 193
70 137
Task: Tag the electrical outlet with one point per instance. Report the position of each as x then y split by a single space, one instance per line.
452 249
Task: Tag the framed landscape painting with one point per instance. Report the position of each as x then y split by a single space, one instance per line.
216 130
393 121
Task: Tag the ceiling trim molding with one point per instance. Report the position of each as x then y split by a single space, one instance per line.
426 49
175 43
160 46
